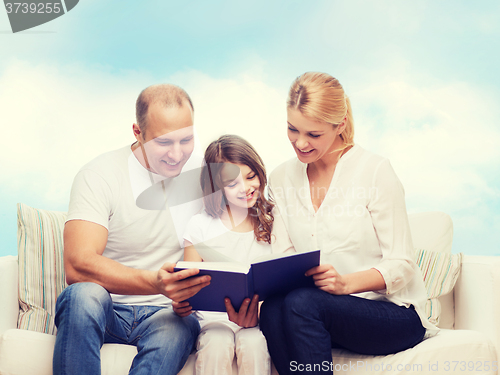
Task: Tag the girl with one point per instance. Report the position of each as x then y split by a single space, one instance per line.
237 223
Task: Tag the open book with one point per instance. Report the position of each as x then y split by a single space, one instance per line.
268 275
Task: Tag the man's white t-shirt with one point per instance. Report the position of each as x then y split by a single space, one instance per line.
137 238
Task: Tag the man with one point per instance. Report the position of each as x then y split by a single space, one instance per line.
119 258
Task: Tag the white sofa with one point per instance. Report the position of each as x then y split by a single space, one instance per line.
466 345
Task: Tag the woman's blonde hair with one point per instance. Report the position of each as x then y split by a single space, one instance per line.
321 97
234 149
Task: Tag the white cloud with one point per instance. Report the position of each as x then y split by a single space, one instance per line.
441 138
243 105
57 119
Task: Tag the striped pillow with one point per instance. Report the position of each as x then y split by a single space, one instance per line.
440 271
41 270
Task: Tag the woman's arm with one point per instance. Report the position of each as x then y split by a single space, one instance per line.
387 210
388 215
329 280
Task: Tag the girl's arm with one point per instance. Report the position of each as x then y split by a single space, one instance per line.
190 253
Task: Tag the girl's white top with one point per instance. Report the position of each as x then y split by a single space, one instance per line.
239 247
361 224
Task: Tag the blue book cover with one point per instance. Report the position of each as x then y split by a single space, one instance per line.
275 274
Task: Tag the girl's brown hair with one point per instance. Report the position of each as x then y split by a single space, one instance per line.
321 97
234 149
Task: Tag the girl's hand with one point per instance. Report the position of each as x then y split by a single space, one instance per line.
328 279
182 309
248 315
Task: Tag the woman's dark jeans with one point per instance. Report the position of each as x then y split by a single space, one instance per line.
303 326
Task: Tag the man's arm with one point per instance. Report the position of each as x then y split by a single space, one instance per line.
84 244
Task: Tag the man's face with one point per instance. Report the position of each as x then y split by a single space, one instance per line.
169 139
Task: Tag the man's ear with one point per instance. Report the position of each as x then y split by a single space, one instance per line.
137 133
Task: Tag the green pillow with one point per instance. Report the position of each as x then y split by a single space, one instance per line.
440 272
41 267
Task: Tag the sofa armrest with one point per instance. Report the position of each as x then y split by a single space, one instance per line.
9 305
477 296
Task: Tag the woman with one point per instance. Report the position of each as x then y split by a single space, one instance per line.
348 202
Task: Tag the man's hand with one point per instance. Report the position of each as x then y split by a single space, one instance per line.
182 309
328 279
176 285
247 316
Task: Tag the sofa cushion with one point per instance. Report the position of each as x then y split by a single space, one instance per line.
450 352
9 306
440 273
26 353
431 231
41 269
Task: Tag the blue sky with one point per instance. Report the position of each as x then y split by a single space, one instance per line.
423 79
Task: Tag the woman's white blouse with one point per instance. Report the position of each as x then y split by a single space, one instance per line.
361 224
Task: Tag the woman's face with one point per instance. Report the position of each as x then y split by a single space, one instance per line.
311 139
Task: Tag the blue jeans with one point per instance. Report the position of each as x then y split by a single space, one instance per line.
302 327
86 318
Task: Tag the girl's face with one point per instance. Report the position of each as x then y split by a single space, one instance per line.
311 140
243 190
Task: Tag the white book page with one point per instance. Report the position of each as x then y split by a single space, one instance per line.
265 258
215 266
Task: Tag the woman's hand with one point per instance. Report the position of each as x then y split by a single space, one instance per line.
328 279
182 309
248 315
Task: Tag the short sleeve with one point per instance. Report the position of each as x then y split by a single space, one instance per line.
194 232
90 199
390 221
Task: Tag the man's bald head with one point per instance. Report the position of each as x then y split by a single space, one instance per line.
166 95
